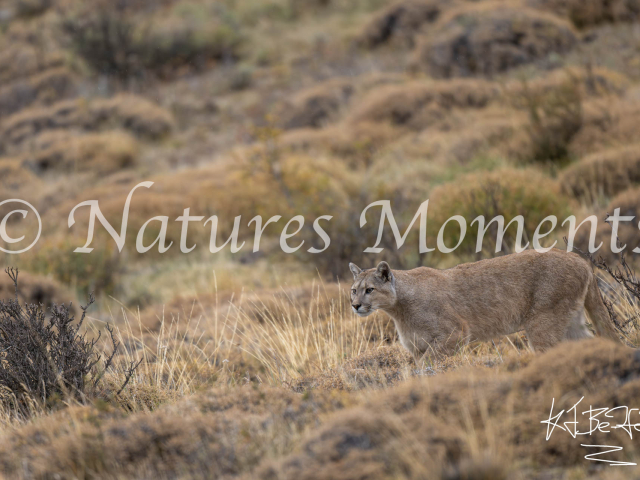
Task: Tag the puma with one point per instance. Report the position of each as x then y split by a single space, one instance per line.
438 311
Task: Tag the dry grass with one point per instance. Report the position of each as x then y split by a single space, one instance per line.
318 105
464 138
98 153
629 204
35 289
13 176
263 384
274 337
358 144
20 59
44 88
592 82
128 112
491 38
241 422
217 433
586 14
418 105
607 123
258 370
401 22
602 175
505 192
53 257
492 421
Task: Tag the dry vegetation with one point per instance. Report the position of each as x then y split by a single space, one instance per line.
251 364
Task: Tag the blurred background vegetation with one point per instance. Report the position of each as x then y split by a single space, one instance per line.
306 107
286 107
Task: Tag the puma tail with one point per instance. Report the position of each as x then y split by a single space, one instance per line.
598 312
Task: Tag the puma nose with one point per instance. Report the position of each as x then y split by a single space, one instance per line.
356 306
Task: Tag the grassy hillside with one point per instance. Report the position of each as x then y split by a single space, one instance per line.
252 364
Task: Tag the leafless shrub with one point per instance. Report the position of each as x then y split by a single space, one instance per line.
116 39
623 275
105 38
44 357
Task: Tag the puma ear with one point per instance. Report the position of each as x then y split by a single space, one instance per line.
384 271
355 269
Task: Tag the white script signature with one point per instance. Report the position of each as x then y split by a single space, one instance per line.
600 420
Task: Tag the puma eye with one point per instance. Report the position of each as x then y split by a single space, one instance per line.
353 291
369 290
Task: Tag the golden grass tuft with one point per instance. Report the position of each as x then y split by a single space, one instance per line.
129 112
96 153
401 22
602 174
132 113
379 368
628 201
481 138
607 123
588 13
43 88
592 82
13 176
315 106
20 59
357 144
271 183
217 433
470 421
420 104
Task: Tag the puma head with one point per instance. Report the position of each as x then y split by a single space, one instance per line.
372 289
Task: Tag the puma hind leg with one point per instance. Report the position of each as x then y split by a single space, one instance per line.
547 329
577 329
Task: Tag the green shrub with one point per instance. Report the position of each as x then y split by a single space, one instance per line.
555 117
97 272
505 192
115 40
191 38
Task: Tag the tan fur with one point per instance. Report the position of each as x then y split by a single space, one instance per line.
437 311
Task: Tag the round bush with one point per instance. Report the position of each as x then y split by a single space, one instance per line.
487 41
505 192
602 174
